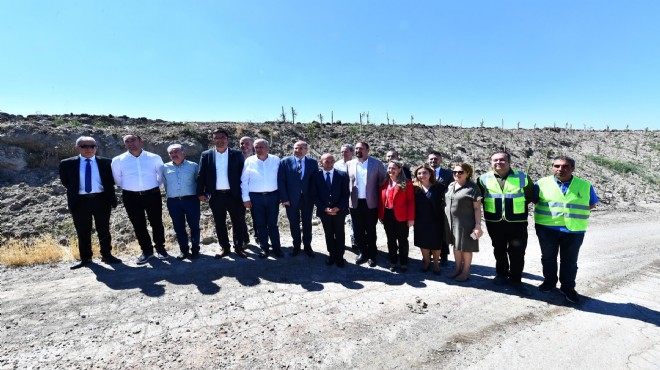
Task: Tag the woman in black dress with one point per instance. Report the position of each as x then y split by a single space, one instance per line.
429 215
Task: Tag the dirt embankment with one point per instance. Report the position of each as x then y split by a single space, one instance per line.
32 200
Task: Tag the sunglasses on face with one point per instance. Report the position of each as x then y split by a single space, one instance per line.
92 146
457 172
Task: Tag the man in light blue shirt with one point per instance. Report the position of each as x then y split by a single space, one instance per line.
180 180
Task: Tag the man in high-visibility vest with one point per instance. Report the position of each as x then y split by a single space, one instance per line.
506 196
563 204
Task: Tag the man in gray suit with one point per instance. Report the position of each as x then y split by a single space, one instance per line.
366 174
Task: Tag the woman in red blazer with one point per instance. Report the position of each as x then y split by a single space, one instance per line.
396 211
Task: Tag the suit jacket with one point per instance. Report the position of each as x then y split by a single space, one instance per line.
375 177
291 187
403 201
70 177
207 176
336 196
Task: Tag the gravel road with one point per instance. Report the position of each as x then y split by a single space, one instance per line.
297 313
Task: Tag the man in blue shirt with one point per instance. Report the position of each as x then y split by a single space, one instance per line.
563 204
180 180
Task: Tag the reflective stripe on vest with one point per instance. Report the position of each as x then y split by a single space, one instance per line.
512 196
556 209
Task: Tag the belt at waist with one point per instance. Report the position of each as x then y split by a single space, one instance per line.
155 190
185 197
90 195
222 191
263 192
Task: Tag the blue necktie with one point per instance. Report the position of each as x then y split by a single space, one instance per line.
300 170
327 180
88 176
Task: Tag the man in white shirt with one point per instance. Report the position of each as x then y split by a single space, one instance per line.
138 173
259 188
219 183
366 174
247 148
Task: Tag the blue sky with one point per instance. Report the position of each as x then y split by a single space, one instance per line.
593 63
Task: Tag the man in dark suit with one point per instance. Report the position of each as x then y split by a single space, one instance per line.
294 185
366 175
219 183
394 155
90 194
331 193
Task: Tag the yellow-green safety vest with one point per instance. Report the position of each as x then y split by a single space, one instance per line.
512 196
556 209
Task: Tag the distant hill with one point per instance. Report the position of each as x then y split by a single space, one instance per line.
624 166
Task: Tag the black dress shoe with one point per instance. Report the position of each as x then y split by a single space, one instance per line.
110 259
278 253
372 262
309 252
182 256
80 264
263 254
294 252
240 251
194 255
360 259
223 253
330 261
341 263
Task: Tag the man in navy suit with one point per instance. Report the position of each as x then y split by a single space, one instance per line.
219 183
294 185
331 193
90 195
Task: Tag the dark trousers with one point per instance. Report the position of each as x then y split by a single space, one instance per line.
364 226
266 210
509 245
221 203
397 238
88 207
333 227
567 245
150 203
302 212
246 234
182 210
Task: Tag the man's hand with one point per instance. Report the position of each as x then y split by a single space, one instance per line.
247 204
202 198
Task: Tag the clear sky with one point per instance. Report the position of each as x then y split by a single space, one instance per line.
593 63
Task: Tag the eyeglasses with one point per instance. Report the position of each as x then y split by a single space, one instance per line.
457 172
85 146
561 166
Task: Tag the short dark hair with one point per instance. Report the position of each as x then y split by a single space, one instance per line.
565 158
435 152
220 131
366 146
508 156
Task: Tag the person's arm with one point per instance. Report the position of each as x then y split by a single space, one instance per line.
116 171
201 179
477 219
245 189
593 198
410 202
157 166
162 176
281 183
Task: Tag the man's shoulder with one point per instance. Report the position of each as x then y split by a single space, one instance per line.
120 157
70 159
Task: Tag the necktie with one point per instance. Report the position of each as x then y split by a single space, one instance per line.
300 168
327 180
88 176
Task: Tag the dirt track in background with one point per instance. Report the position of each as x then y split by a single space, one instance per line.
297 313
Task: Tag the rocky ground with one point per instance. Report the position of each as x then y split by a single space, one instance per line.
32 200
296 313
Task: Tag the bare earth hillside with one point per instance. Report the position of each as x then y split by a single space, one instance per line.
33 200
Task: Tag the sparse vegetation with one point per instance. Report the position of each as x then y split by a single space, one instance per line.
623 167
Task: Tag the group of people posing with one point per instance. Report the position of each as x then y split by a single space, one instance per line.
443 206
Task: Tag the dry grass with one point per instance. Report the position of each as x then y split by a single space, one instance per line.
33 251
22 252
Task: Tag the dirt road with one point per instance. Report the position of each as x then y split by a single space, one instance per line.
297 313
